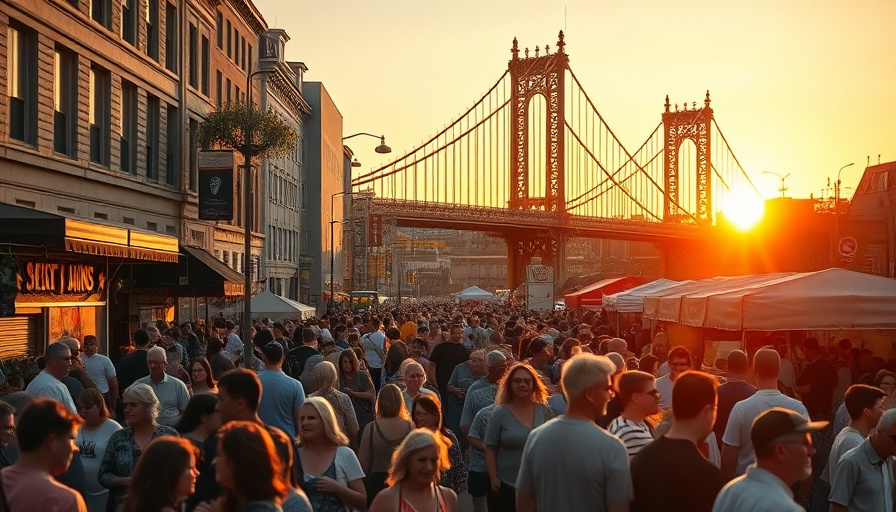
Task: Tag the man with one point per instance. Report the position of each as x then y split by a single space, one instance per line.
374 343
786 375
306 347
8 455
614 407
475 336
477 475
282 396
671 473
620 346
189 340
863 481
155 336
481 393
101 370
77 371
46 437
234 345
48 383
737 450
783 451
554 474
446 356
639 398
679 362
733 391
865 406
817 382
133 366
171 392
239 393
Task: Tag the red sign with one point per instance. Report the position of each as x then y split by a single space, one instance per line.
848 248
375 236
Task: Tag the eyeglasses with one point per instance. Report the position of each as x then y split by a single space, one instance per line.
653 392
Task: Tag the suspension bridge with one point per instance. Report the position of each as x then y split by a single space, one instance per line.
534 162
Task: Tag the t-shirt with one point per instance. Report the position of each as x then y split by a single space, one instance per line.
737 433
633 434
91 448
296 358
509 436
28 489
822 376
173 398
561 478
664 386
100 369
477 431
846 440
348 469
281 395
446 356
50 387
730 393
480 394
132 367
672 475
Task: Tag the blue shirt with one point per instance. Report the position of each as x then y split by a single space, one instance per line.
281 395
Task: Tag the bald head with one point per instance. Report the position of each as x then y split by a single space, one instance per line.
617 360
887 421
767 363
737 362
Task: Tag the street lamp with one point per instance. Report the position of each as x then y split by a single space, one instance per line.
782 178
836 248
381 149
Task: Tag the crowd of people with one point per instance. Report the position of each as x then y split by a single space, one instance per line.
408 408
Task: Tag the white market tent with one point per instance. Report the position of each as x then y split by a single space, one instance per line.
632 301
475 293
268 303
832 299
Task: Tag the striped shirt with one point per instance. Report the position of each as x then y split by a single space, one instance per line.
634 435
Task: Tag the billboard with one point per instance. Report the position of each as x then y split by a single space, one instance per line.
216 185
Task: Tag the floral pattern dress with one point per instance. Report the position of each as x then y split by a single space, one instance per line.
120 459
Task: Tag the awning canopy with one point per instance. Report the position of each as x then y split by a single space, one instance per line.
33 227
475 293
632 300
197 274
591 296
268 303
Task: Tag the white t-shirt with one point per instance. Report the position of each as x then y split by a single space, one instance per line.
786 374
737 433
846 440
348 469
664 386
100 369
48 386
378 338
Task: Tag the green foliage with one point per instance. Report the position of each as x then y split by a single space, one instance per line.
228 126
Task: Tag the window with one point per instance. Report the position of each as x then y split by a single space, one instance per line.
152 137
220 30
236 94
206 63
229 39
236 46
172 154
249 68
193 72
129 21
152 28
101 12
65 90
128 127
219 88
21 83
245 51
194 155
229 89
171 37
99 115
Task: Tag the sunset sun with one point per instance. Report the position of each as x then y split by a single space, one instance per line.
743 208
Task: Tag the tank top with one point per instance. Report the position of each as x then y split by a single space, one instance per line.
322 501
404 506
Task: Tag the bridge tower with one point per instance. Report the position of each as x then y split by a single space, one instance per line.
679 126
539 75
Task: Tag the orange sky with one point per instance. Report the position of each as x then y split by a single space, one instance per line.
797 86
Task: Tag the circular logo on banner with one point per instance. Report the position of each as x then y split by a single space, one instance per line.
848 247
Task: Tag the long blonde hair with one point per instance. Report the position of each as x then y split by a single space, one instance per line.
417 440
504 394
333 433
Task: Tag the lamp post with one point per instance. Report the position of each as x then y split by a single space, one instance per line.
381 149
837 211
782 178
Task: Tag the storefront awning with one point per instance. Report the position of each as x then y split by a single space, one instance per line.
232 280
196 274
25 226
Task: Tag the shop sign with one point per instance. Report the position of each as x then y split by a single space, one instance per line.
60 278
848 247
216 185
375 236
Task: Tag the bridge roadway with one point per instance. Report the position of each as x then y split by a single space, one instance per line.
426 214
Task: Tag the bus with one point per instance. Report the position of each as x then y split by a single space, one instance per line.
361 301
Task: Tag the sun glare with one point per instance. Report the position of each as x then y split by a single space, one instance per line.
743 209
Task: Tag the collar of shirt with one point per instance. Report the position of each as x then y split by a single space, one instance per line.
871 453
764 476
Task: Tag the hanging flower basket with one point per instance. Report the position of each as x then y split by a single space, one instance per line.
9 271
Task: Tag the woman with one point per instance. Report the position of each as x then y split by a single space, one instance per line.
382 436
414 475
203 379
327 382
141 408
427 413
414 378
417 351
332 479
93 438
519 408
249 470
356 383
396 355
200 419
164 477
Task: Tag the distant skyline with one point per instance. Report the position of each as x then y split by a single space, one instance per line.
798 86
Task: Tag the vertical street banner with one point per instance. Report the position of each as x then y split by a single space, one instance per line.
376 231
216 171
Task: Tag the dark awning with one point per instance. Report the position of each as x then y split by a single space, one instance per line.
25 226
196 274
233 281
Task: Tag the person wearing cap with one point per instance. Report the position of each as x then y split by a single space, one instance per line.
555 473
620 346
737 447
863 481
282 396
783 453
671 473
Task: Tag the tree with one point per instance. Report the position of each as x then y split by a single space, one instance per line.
250 131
